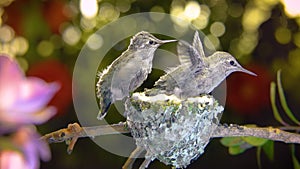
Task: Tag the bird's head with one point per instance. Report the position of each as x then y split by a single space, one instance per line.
228 63
145 40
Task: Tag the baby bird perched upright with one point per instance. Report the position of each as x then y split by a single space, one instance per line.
197 74
127 72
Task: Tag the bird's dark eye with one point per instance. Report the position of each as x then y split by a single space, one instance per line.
151 42
232 63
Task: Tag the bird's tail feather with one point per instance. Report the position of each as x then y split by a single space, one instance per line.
103 110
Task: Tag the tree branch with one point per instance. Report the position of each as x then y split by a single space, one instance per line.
74 131
270 133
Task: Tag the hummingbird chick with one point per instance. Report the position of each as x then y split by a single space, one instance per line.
127 72
196 74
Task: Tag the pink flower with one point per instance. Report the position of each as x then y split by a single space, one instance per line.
30 147
23 100
12 160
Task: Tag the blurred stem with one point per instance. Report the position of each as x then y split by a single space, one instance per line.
283 100
273 103
258 157
294 158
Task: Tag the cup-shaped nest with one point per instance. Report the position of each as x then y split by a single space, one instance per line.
171 130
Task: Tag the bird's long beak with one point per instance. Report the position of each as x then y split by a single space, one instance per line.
241 69
167 41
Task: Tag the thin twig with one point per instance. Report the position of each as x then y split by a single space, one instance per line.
135 154
290 128
145 163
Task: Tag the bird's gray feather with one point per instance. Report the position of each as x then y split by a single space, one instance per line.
188 54
128 71
197 73
197 44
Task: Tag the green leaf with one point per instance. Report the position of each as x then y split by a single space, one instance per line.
295 160
273 103
232 141
255 141
283 100
236 145
268 148
235 150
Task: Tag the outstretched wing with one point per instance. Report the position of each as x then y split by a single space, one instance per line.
197 44
188 54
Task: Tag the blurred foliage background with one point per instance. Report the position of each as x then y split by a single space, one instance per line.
46 36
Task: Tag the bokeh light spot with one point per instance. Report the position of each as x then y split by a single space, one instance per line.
107 12
253 17
7 33
89 8
283 35
177 15
247 42
235 10
45 48
177 3
192 10
21 45
123 5
87 24
217 29
291 7
71 35
205 10
95 42
200 22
